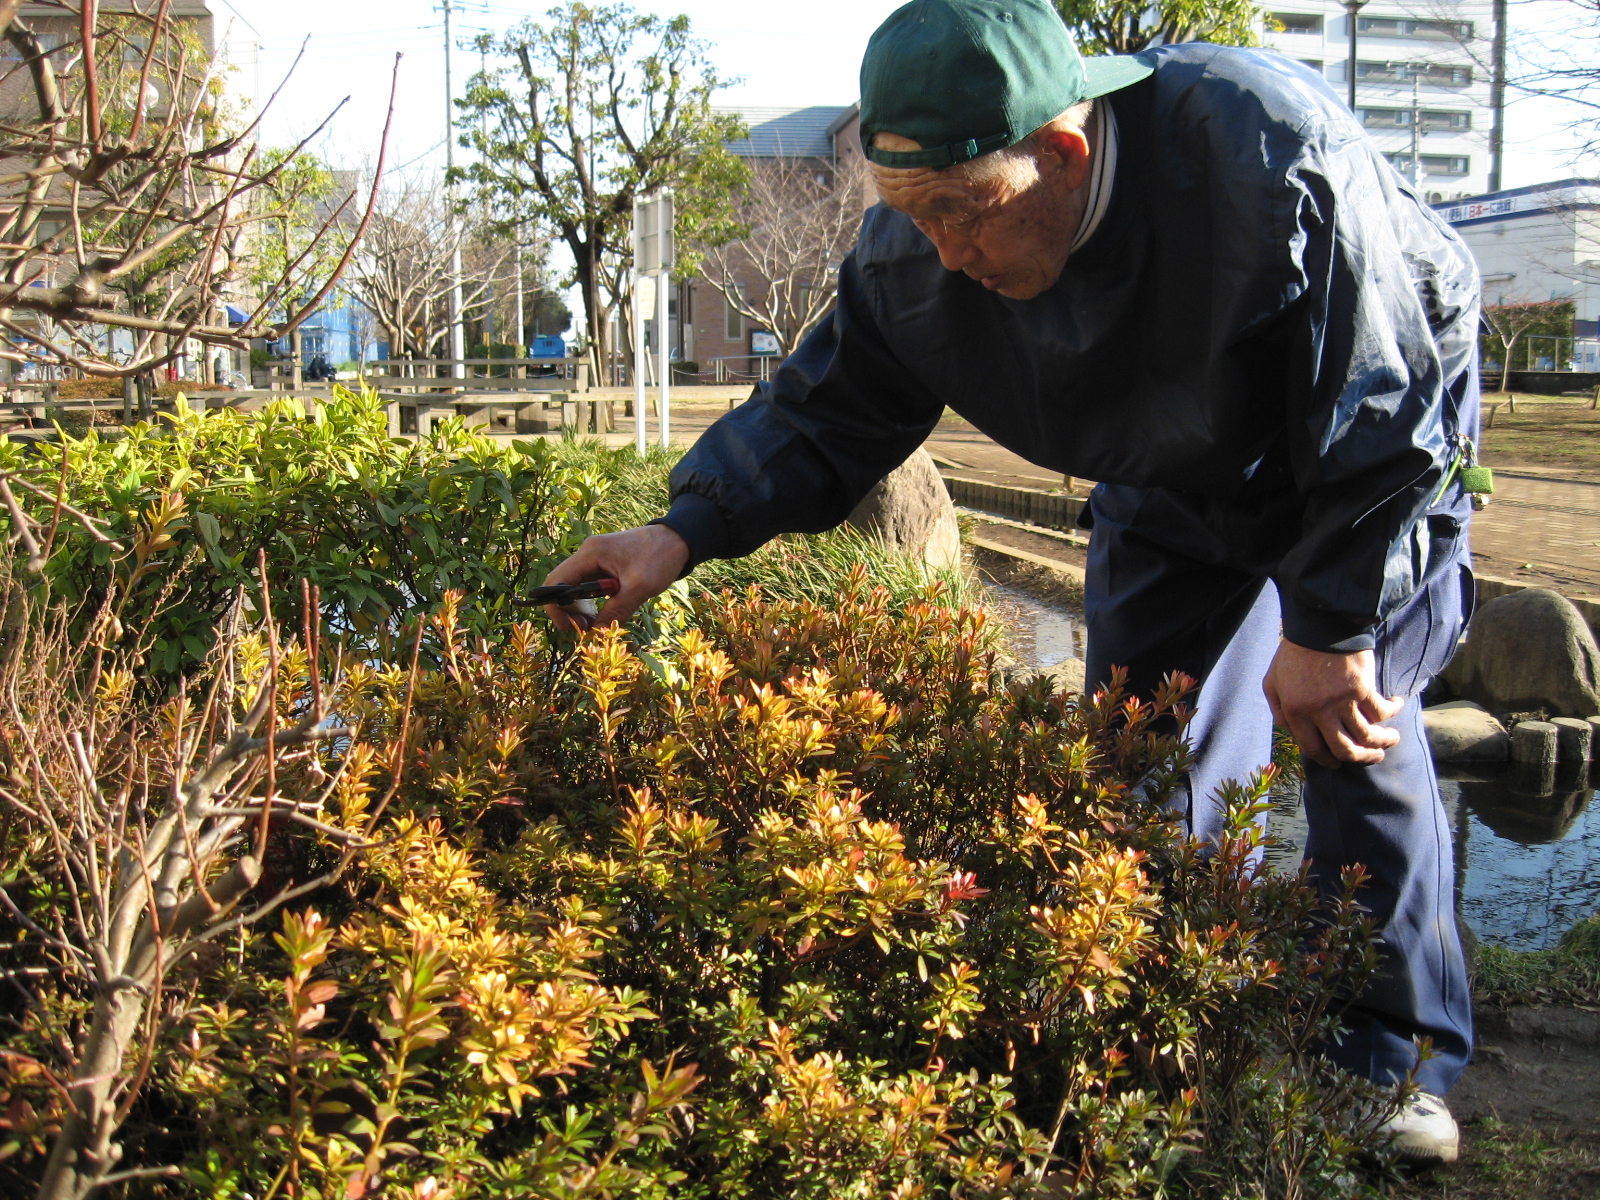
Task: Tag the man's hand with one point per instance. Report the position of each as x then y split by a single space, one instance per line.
1330 703
645 561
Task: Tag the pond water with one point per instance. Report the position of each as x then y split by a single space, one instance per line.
1038 634
1527 865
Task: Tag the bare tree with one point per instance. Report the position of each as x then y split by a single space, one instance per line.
402 272
803 218
126 202
157 829
1559 60
1512 322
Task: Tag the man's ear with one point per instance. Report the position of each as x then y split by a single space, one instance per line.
1071 148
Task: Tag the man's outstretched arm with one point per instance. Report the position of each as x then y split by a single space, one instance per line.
840 414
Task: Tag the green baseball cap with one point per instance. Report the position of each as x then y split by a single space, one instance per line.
965 78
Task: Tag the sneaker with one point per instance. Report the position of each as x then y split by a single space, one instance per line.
1424 1132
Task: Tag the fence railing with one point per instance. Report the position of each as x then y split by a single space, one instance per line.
1551 352
478 374
722 373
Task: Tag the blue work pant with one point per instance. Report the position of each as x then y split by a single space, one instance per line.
1163 593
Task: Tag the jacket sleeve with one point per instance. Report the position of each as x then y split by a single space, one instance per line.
797 457
1383 386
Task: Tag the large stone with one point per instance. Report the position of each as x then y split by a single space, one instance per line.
1067 676
911 511
1462 731
1529 650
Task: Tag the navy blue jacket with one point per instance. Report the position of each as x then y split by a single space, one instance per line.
1267 321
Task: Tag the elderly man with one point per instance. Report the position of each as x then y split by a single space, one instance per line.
1187 274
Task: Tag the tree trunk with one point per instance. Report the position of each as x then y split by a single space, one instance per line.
78 1157
583 254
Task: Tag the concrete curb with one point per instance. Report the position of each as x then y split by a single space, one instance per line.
1054 510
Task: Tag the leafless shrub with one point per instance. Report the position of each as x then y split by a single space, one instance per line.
125 201
154 826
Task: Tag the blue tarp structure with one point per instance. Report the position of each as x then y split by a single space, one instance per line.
236 316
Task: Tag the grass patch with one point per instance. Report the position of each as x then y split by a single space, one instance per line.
1505 1161
1568 973
1563 432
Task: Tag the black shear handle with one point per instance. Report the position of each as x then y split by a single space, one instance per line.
568 593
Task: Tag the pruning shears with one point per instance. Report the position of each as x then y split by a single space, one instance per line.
566 594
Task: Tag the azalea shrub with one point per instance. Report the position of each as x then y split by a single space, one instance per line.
775 896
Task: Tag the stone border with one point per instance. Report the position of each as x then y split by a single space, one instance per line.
1043 578
1055 510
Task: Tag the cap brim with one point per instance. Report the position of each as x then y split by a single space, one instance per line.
1110 72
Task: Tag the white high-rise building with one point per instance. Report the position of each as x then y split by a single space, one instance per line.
1431 58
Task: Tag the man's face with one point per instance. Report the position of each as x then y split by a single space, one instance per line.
1012 241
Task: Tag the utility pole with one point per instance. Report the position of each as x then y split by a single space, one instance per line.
458 349
1351 8
1416 70
516 265
1497 99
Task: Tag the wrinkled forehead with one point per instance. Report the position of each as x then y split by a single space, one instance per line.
923 193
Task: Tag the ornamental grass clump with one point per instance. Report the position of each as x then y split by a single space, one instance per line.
782 897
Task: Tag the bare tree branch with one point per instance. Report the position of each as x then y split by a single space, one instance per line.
803 217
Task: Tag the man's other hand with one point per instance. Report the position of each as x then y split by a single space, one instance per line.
645 561
1331 704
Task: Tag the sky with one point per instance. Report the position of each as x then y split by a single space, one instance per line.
779 52
352 45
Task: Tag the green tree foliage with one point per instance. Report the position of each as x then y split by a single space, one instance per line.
1128 26
598 105
301 199
795 899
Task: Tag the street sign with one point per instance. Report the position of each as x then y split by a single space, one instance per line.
653 254
653 250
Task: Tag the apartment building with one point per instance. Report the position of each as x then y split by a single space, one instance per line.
58 33
1422 73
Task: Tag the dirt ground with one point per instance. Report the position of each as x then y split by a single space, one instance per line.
1529 1107
1561 432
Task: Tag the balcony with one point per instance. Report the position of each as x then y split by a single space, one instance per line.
1405 27
1433 120
1433 74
